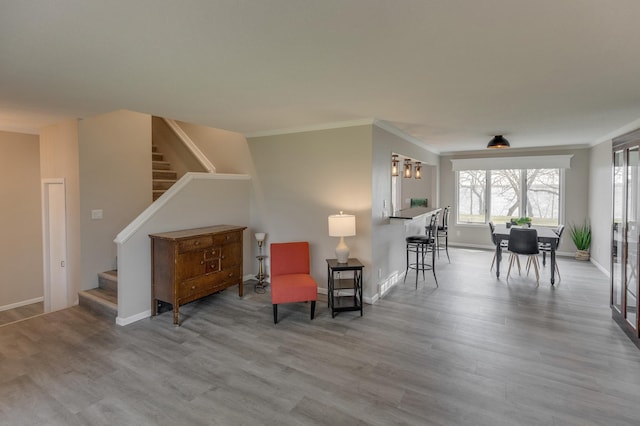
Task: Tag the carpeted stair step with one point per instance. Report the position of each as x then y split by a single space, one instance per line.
161 165
104 298
165 174
163 184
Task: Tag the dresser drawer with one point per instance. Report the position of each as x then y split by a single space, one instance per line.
196 243
232 275
200 284
232 237
194 263
209 283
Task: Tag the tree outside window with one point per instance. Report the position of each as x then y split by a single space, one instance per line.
509 193
472 185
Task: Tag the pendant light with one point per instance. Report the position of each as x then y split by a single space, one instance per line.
407 168
394 165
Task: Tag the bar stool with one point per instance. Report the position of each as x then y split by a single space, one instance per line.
421 245
443 232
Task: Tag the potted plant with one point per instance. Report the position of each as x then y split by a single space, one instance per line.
581 237
522 221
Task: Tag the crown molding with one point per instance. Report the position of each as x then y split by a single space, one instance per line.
312 128
630 127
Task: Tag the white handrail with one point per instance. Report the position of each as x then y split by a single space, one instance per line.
186 140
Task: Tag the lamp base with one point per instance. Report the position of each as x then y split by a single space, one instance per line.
342 251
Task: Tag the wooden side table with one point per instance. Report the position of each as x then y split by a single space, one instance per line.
351 286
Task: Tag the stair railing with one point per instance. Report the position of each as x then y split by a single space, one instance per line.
191 146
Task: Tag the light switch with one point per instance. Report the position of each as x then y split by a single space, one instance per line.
96 214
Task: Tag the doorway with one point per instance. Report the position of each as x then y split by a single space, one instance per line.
54 224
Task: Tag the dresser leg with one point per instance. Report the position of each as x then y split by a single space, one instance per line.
175 315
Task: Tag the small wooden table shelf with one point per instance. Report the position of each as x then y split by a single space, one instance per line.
351 286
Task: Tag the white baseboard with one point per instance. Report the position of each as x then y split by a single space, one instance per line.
133 318
19 304
600 267
367 300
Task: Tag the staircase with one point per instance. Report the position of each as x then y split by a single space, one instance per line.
163 176
104 298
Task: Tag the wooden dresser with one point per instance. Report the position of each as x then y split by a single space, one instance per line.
192 263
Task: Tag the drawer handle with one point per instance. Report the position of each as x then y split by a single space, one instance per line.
222 257
230 274
197 243
202 262
193 287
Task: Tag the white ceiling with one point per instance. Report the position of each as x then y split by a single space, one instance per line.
450 73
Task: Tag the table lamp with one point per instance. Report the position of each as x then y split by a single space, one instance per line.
342 225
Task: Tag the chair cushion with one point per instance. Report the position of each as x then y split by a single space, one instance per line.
293 288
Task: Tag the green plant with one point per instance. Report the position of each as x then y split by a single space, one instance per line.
521 220
581 236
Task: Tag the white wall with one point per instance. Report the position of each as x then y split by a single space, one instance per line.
575 203
197 200
600 204
21 276
115 177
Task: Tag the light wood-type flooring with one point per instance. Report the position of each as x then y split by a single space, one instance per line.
21 313
475 351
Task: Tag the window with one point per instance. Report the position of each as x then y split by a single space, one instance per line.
471 196
499 195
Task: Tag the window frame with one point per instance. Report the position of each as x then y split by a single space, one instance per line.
523 198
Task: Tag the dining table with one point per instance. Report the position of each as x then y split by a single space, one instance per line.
545 236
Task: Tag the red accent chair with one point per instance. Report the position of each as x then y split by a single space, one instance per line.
290 279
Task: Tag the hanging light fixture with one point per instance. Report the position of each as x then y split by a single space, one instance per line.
394 164
498 141
418 172
407 168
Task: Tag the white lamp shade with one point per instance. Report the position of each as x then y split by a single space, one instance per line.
260 236
342 225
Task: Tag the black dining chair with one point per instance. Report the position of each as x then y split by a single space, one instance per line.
524 241
443 232
546 247
494 240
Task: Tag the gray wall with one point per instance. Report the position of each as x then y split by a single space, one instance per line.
575 202
21 276
204 199
115 176
59 159
302 178
387 238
